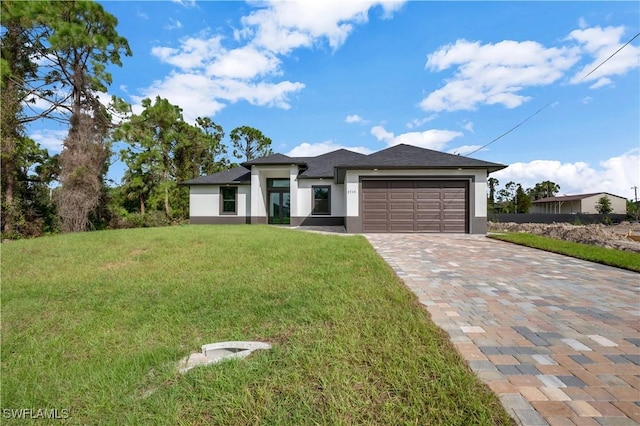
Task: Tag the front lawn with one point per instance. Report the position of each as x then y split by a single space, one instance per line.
94 323
607 256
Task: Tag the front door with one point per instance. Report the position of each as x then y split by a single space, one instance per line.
279 207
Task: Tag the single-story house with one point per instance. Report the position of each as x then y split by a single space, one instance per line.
403 188
581 203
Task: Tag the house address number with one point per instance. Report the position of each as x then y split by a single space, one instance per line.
351 191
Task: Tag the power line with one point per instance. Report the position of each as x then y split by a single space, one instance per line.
612 55
544 107
512 129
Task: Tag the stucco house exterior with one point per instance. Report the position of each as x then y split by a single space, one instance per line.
399 189
581 203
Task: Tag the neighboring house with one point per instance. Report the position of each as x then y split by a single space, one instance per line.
582 203
399 189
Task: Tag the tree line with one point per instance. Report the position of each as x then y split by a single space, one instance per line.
512 198
53 67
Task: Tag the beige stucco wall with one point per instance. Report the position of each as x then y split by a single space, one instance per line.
618 204
585 205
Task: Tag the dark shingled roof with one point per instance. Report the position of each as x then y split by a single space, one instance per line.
323 165
571 197
272 159
408 156
335 164
236 176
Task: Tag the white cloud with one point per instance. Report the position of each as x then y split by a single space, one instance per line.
50 139
244 63
185 3
260 93
381 134
199 96
468 126
207 73
494 73
417 122
284 26
587 99
430 139
306 149
600 44
354 118
582 23
193 52
603 81
615 175
465 149
194 93
173 25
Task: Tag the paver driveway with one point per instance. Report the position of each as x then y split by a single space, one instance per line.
558 339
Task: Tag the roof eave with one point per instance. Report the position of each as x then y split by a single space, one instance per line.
340 171
243 182
491 168
315 177
249 164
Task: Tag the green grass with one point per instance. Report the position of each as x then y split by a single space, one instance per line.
95 323
607 256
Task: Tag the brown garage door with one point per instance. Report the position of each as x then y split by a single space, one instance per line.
414 206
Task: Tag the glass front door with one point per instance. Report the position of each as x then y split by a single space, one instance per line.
279 207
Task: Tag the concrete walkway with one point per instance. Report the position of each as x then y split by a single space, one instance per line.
556 338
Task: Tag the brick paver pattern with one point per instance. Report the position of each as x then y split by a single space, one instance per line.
556 338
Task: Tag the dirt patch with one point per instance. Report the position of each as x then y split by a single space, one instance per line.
137 252
612 236
117 265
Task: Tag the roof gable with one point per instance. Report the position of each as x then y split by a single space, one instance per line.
323 166
574 197
409 156
335 164
238 176
272 159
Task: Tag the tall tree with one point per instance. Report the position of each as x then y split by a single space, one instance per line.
18 152
507 197
633 210
164 150
249 143
492 183
82 40
201 152
153 136
522 200
543 189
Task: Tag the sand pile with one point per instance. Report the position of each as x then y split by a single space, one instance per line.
613 236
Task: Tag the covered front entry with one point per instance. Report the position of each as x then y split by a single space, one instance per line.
415 206
279 207
279 202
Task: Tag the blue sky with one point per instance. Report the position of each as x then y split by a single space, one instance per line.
365 75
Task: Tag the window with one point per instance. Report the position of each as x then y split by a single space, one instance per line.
278 183
321 199
228 200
